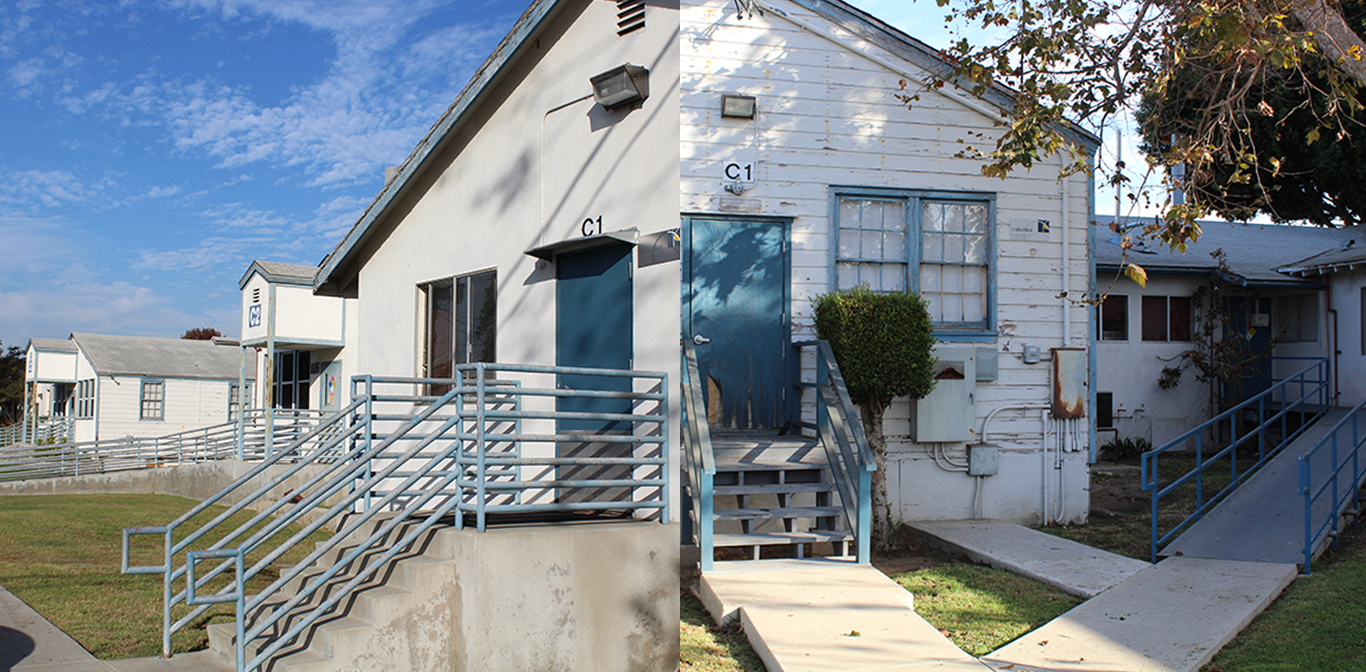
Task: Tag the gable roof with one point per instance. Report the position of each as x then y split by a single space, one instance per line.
280 274
160 357
1255 253
333 273
51 345
328 278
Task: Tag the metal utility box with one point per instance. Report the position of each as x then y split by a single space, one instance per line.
948 414
1069 383
988 365
984 459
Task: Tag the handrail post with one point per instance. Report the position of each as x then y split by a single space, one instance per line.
480 455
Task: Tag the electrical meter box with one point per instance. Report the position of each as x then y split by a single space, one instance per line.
948 413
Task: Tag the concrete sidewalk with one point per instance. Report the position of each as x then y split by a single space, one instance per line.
31 643
812 615
1076 569
1171 617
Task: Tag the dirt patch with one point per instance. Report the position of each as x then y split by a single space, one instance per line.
1115 490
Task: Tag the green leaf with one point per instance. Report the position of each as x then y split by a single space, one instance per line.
1137 274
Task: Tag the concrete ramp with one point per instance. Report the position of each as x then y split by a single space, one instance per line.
1263 520
1171 617
816 615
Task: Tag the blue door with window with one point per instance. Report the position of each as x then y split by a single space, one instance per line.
1249 327
735 311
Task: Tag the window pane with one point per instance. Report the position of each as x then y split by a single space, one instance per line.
893 278
1114 318
931 278
953 218
484 317
934 303
870 244
1179 314
974 307
952 310
848 274
440 318
953 249
933 248
894 246
933 218
1309 317
953 278
975 251
976 219
1154 318
975 280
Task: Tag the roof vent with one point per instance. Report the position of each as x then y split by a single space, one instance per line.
630 16
1349 244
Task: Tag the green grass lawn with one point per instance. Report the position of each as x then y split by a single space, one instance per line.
704 647
981 609
1317 624
61 555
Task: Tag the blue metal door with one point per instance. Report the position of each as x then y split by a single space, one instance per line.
593 324
1250 327
735 310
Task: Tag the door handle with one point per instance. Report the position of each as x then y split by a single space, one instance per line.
699 339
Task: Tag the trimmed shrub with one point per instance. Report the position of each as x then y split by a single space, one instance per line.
882 342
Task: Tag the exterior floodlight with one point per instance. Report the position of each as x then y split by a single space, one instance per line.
738 107
621 86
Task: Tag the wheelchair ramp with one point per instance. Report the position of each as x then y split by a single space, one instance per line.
1263 520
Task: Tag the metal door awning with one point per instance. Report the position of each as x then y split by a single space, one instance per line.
548 251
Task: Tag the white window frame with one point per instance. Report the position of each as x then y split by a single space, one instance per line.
158 403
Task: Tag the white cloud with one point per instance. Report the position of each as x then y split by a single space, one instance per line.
27 188
54 310
386 86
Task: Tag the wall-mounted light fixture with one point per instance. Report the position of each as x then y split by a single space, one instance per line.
738 107
621 85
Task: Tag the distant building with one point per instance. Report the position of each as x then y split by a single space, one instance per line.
1141 330
117 386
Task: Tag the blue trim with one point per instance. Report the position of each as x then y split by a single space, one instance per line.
504 55
142 398
914 199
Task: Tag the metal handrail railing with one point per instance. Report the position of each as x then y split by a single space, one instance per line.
1340 489
1274 397
206 444
12 434
847 450
701 460
460 452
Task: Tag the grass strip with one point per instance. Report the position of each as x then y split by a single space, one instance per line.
1315 625
705 647
981 609
61 556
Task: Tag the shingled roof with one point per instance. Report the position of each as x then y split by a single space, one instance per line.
1257 254
160 357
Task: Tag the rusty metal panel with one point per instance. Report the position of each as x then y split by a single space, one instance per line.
1069 383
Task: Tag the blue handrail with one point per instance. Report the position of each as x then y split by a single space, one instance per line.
421 456
1340 489
847 450
1311 385
701 461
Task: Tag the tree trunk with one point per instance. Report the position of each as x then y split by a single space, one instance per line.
1333 36
872 412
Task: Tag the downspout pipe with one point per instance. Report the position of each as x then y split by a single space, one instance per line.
1334 345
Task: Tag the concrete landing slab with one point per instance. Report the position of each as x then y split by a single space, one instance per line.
1076 569
1171 617
199 661
30 643
817 615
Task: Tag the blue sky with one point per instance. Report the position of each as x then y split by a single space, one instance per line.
153 148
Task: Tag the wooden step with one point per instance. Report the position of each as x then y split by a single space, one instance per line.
777 513
771 489
778 538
